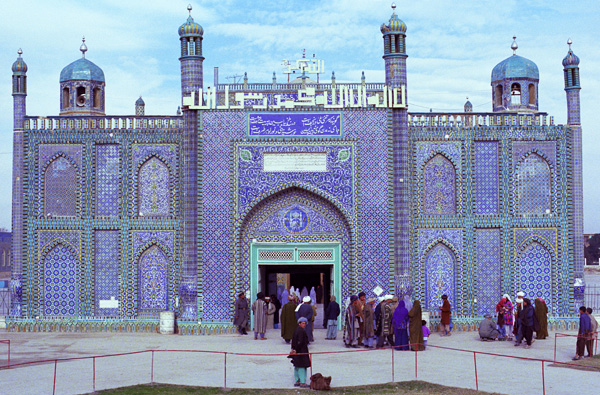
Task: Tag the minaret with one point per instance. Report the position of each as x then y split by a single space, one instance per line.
572 88
190 37
140 107
19 92
394 55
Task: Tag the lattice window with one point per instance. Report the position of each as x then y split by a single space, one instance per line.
60 187
439 186
533 192
275 255
315 255
153 188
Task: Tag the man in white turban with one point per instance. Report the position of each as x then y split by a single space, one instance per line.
305 310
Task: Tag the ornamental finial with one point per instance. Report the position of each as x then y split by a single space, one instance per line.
189 8
83 47
569 42
514 45
20 52
393 8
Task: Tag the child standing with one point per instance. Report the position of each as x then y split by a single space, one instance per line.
426 332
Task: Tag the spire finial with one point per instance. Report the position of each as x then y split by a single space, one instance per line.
83 47
20 52
189 8
393 8
514 45
569 42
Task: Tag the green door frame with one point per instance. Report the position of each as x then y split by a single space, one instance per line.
291 256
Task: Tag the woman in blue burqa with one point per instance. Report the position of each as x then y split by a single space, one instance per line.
400 325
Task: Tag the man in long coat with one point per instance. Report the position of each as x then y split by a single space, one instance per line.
288 319
305 310
369 324
259 309
541 312
387 331
241 313
415 327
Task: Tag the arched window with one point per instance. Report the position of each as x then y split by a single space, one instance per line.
97 96
532 94
60 282
60 188
153 285
499 94
153 188
65 98
439 186
515 94
191 47
439 269
533 186
535 272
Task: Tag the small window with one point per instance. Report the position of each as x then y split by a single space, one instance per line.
81 99
499 93
515 94
191 47
65 98
97 98
532 94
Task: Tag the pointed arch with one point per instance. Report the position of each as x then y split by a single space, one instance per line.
439 186
61 186
440 274
154 197
153 283
533 185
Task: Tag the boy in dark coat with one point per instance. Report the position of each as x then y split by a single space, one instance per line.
300 346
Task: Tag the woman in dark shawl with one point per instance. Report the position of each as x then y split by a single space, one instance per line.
541 312
415 328
400 325
300 346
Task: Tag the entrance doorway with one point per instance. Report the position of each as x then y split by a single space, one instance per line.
299 265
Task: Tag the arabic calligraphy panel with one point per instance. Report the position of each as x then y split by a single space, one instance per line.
295 124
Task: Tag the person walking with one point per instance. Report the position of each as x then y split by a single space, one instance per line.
445 319
500 322
332 312
351 324
277 303
526 321
259 309
305 310
299 353
400 325
583 334
368 324
288 319
518 328
593 334
241 313
362 301
541 312
270 312
415 316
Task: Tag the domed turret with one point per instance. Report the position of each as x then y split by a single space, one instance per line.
570 60
572 86
515 83
82 87
468 106
140 107
19 66
394 35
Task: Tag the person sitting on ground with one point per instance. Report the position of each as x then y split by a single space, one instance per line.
487 328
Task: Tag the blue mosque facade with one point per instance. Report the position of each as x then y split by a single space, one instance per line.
259 186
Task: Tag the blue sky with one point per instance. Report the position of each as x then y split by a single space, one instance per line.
452 48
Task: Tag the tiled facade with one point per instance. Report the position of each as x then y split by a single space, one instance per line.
116 219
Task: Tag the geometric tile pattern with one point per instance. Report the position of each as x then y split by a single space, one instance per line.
489 269
533 186
108 179
60 187
535 272
440 268
60 281
106 271
153 190
439 188
486 178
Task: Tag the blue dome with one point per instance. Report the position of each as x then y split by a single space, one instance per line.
190 28
19 66
82 69
395 25
140 102
515 66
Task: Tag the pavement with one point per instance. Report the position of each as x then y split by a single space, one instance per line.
347 367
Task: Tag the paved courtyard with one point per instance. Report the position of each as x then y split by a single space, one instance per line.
442 366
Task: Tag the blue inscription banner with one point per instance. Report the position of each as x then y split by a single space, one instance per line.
286 124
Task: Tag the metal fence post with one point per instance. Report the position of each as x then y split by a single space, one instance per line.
225 370
475 361
152 369
393 370
543 380
415 363
94 376
54 385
